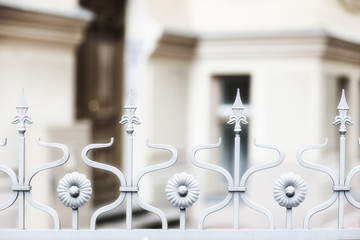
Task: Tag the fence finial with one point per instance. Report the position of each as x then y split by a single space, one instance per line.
238 109
22 106
22 117
343 119
129 118
343 104
238 106
130 107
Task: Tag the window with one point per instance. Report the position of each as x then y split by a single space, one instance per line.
342 83
227 86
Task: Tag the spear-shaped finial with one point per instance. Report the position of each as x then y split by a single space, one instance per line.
343 119
237 117
22 107
130 107
343 104
238 106
22 117
129 118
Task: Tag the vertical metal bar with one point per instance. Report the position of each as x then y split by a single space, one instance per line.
129 170
21 118
342 119
182 218
288 218
75 219
341 180
236 179
238 119
129 119
21 176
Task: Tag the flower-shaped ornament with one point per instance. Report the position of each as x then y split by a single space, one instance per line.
74 190
289 190
182 190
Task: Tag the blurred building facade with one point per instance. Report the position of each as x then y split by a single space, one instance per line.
38 45
184 60
290 61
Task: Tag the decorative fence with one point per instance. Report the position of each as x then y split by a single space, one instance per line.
182 190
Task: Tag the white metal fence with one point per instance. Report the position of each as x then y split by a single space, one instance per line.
182 190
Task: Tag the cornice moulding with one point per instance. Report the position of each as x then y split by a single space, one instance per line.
43 27
287 44
176 45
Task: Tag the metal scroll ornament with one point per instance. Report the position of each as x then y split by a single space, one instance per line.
182 190
74 190
289 190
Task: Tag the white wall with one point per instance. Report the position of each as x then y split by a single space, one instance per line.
282 45
38 56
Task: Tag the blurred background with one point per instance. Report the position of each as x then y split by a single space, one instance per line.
183 59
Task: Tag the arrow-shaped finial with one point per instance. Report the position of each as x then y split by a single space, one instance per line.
22 117
343 104
129 118
22 106
238 109
238 106
343 119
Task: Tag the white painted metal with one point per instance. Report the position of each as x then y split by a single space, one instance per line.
14 180
21 118
236 187
289 192
74 191
182 190
254 169
341 185
343 120
129 184
238 119
176 234
23 184
105 167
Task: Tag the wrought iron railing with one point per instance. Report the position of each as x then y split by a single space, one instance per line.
182 190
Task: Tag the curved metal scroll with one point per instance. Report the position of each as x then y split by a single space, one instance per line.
319 208
349 177
215 208
320 168
34 171
151 169
61 161
160 165
216 169
254 169
315 166
14 180
209 166
105 167
350 198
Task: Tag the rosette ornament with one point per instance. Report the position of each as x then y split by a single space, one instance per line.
289 190
182 190
74 190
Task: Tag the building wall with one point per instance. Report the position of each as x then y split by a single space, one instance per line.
295 54
37 54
